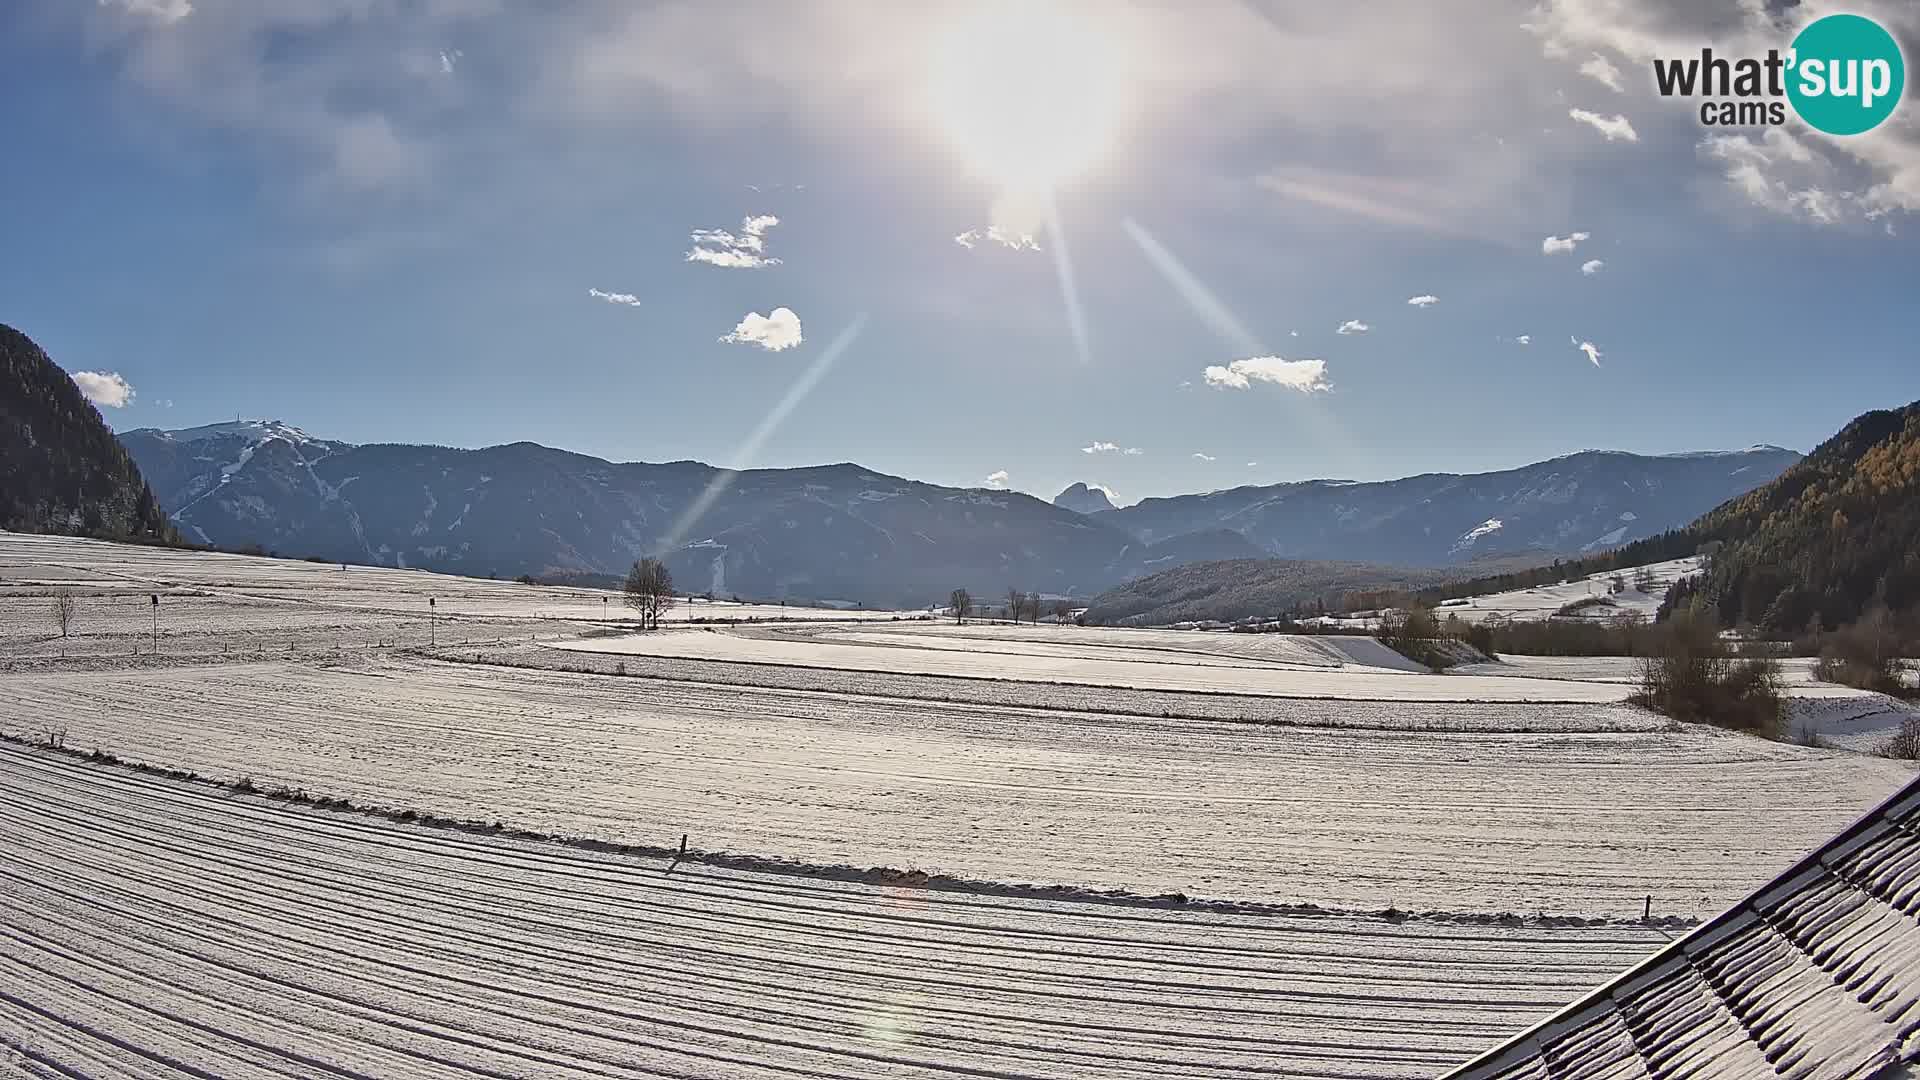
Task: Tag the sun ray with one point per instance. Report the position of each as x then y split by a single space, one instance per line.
744 455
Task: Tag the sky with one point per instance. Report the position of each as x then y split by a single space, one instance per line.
1159 248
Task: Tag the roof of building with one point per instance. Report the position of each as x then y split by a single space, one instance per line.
1815 976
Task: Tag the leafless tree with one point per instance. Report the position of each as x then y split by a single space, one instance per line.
649 591
1063 609
1016 603
960 603
1033 607
63 607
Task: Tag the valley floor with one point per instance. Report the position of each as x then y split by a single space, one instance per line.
159 927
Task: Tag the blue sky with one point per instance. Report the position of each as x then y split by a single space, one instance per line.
380 221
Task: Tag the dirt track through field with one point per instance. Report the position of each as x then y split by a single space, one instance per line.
152 928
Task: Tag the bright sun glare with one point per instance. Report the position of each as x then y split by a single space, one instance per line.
1031 95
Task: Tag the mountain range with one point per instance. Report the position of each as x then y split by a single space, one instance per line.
852 534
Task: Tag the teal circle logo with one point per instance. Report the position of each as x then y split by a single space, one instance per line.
1846 74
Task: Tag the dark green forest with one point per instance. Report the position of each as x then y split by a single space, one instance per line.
61 469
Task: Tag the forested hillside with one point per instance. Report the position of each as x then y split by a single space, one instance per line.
1829 539
61 469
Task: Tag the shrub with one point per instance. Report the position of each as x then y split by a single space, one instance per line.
1864 654
1692 677
1905 743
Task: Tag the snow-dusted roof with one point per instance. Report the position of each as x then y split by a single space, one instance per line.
1815 976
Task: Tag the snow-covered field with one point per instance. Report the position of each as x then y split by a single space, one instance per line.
156 928
1310 667
1539 603
1570 823
213 603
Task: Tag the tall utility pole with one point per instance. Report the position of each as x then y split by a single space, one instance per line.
154 599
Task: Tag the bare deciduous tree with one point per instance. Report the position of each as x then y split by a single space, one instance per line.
649 591
1016 603
1033 607
960 602
63 608
1063 609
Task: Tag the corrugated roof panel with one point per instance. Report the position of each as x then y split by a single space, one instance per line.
1685 1031
1804 1022
1601 1048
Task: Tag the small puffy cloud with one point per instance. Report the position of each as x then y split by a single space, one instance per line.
1557 245
1293 333
627 299
104 388
745 250
1198 456
1006 238
161 11
1253 464
449 58
997 480
1427 300
772 332
1602 71
1592 266
1098 447
1587 347
1613 127
1353 326
1133 451
1524 339
1306 376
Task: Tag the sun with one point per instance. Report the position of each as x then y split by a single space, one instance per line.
1031 95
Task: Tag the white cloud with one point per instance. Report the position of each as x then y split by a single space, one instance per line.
1587 347
1293 333
1198 456
104 388
1112 495
1524 339
1006 238
1133 451
162 11
1783 173
997 480
1592 266
448 58
1253 464
1424 301
1099 447
1353 326
1613 127
628 299
1306 376
745 250
772 332
1601 70
1555 245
